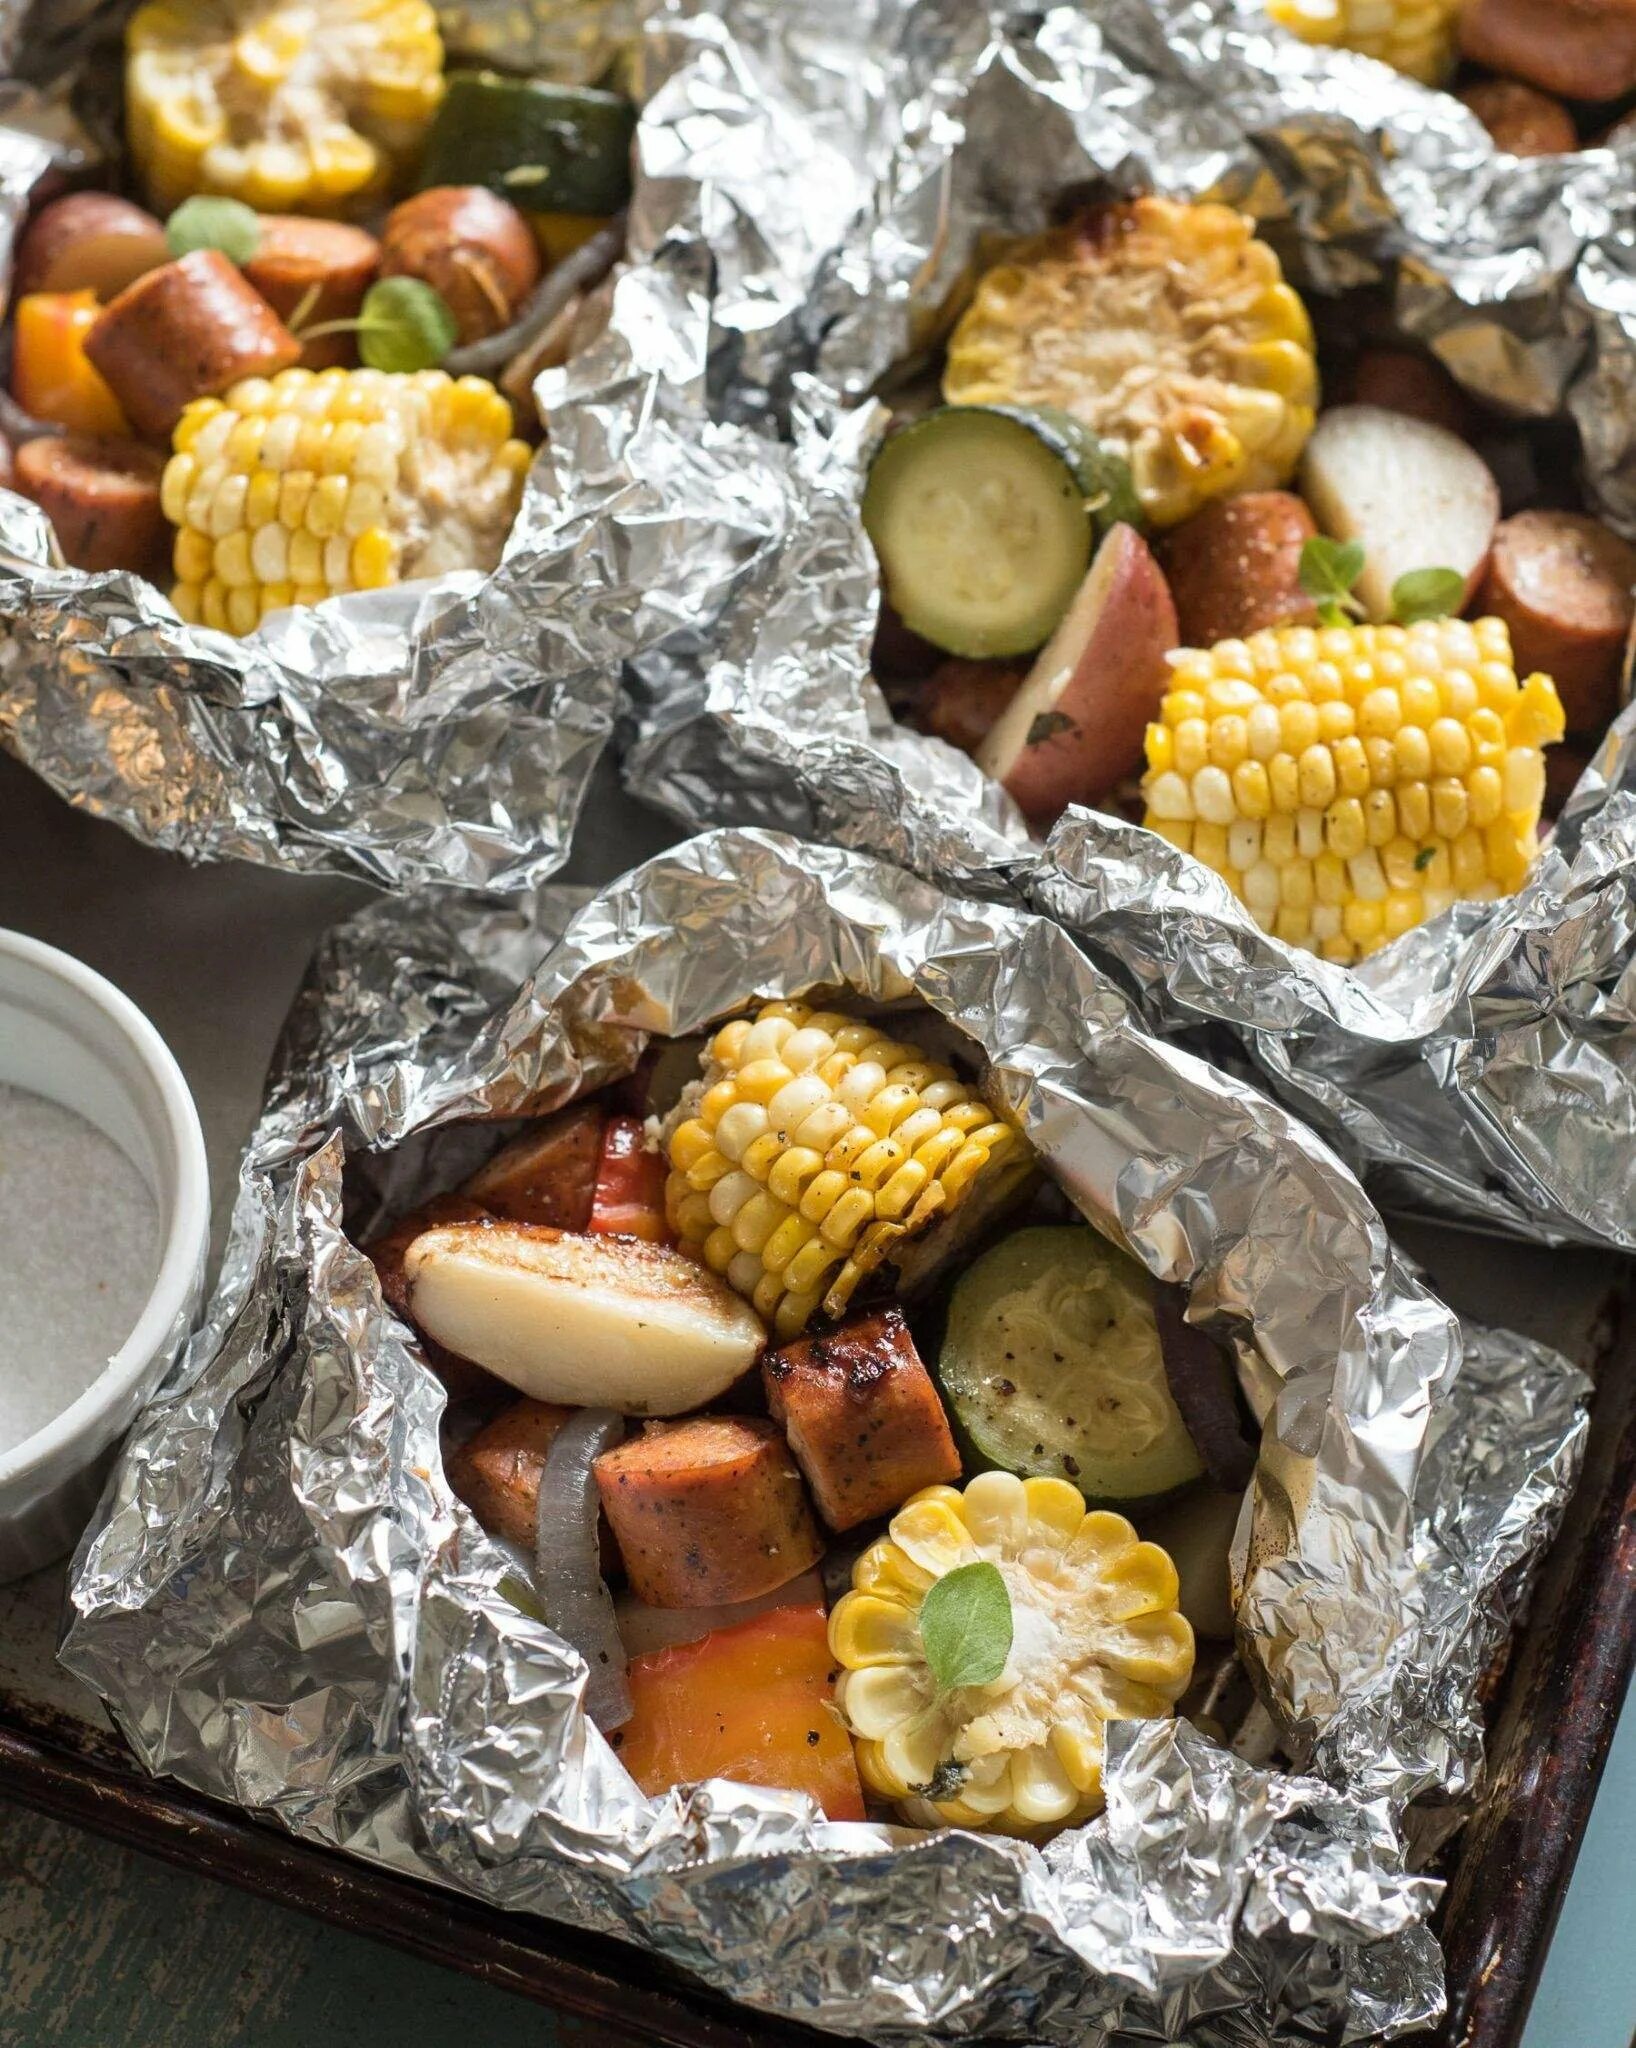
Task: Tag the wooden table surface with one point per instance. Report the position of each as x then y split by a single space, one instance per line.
102 1947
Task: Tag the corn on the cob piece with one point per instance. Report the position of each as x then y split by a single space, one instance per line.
1094 1618
1417 37
298 487
1165 327
816 1147
293 106
1351 781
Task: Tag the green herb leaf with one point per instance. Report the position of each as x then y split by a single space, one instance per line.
1328 570
1427 594
1424 858
227 225
405 324
965 1626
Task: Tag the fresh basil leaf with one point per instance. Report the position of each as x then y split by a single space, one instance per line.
1327 572
205 222
965 1626
1427 594
405 324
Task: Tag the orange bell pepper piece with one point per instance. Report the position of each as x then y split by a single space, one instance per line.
630 1186
751 1702
51 375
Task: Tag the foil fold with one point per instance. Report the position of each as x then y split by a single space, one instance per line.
285 1606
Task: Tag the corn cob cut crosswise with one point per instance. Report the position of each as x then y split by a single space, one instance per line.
1095 1638
817 1146
1349 782
293 106
1167 329
1416 37
302 486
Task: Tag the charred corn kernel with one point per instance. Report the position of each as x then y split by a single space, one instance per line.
448 478
1025 1752
824 1146
1383 767
293 106
1416 37
1168 329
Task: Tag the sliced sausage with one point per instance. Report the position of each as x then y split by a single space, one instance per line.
1522 120
1234 568
88 241
1562 583
459 1375
1578 49
862 1416
469 244
186 331
548 1175
102 496
961 699
707 1511
1402 381
324 266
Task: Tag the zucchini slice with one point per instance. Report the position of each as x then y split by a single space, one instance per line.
984 518
1052 1364
550 149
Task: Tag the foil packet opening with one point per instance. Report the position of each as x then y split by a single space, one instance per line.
285 1606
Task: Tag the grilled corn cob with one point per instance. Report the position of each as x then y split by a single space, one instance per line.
815 1148
293 108
1096 1638
1165 327
1413 36
1351 781
295 488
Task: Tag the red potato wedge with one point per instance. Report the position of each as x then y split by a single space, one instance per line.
324 266
1234 568
102 497
1563 584
644 1629
596 1322
88 241
1075 728
1522 120
960 700
708 1511
1414 495
1579 49
1402 381
462 1379
548 1174
862 1416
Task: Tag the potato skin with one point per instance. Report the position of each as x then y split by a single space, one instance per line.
88 241
1234 567
708 1510
469 244
1400 380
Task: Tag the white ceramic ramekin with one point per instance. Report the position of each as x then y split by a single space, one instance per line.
70 1036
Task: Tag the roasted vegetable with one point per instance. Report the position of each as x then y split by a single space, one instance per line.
1350 782
292 490
293 106
629 1198
1416 37
90 242
751 1703
862 1417
52 377
817 1150
386 1253
1052 1364
707 1511
1094 1637
644 1629
1168 330
548 1174
592 1321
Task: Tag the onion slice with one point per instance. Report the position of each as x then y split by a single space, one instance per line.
575 1600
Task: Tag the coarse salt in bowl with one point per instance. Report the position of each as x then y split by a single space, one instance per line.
104 1230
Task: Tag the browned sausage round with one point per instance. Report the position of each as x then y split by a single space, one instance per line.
1522 120
472 246
325 266
186 331
961 699
88 241
1579 49
1562 582
1234 568
1402 381
102 496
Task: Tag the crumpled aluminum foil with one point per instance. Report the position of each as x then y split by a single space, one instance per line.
284 1605
441 732
816 182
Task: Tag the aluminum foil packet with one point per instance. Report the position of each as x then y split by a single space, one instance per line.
443 731
285 1606
817 184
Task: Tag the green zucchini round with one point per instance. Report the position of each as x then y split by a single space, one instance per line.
549 149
